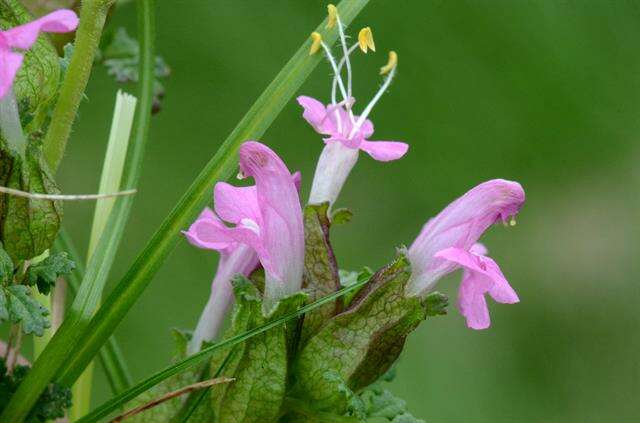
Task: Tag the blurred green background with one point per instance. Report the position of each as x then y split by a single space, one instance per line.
545 92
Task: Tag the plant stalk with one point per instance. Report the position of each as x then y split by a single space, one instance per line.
93 14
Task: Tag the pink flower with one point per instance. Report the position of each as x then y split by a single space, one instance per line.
268 226
346 133
23 37
344 140
447 241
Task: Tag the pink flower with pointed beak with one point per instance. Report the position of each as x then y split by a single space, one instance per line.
268 227
448 242
346 134
23 37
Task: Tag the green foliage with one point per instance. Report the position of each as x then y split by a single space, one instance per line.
28 227
377 402
18 306
45 273
259 365
51 404
320 268
356 347
121 56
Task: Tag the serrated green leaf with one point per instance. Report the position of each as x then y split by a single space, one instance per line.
45 273
259 365
320 268
361 343
382 403
18 306
28 226
121 57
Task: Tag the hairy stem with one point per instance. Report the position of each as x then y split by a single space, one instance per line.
92 17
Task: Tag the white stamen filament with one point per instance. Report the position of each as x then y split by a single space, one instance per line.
332 61
345 50
372 103
334 84
337 76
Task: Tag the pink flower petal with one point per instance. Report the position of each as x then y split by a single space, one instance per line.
24 36
384 151
316 114
481 276
205 233
499 289
236 203
366 129
281 228
471 301
10 62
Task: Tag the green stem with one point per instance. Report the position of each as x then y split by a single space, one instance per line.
92 17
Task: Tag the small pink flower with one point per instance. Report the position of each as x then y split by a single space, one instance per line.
268 226
447 242
23 37
346 133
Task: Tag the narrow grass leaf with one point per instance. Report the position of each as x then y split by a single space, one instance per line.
110 356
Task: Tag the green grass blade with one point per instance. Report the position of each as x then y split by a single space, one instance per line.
113 165
110 179
221 166
111 405
110 357
72 332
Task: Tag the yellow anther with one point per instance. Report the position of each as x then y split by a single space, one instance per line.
316 43
391 64
512 222
365 40
333 16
